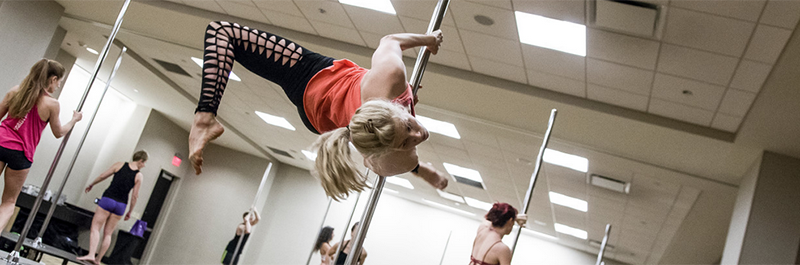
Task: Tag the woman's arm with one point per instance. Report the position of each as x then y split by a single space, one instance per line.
256 217
6 100
427 172
134 195
363 256
503 255
56 127
387 77
332 250
103 176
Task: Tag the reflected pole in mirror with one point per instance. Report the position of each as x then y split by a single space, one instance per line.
321 225
535 175
340 246
13 256
603 245
416 78
236 253
446 244
38 242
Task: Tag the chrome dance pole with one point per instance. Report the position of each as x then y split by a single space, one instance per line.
38 242
347 226
13 256
535 173
252 208
603 245
321 225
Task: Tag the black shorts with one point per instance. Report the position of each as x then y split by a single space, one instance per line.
15 159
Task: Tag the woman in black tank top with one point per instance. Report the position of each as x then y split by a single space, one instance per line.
341 257
243 232
112 205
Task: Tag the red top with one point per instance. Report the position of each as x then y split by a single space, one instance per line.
22 134
334 93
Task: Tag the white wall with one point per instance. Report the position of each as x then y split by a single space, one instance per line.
741 212
402 231
27 28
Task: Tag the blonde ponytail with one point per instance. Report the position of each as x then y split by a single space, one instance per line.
33 86
372 131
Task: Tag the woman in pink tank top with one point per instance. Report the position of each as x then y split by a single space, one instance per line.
488 247
30 108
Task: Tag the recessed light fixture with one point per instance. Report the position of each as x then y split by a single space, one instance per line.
232 76
478 204
384 6
463 172
571 231
400 182
450 196
448 208
484 20
275 120
440 127
311 156
554 157
136 90
93 51
687 92
568 201
551 33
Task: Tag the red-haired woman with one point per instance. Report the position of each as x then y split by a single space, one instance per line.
488 242
30 109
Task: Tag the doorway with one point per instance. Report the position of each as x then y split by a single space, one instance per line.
153 208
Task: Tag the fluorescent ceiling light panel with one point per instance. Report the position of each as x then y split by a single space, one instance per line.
448 208
232 76
551 33
450 196
478 204
554 157
568 201
391 191
440 127
275 120
400 182
467 173
311 156
93 51
384 6
571 231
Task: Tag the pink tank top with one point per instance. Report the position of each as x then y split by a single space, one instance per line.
22 134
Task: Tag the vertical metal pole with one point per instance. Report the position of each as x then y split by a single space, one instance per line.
603 245
366 219
321 225
13 256
445 247
235 256
38 242
535 174
416 77
347 226
424 54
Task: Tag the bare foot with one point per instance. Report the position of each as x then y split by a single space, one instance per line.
204 129
88 259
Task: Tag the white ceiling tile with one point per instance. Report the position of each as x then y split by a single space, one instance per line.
617 97
781 13
505 24
421 9
374 21
707 32
703 95
489 47
767 44
244 11
333 12
297 23
618 76
338 33
696 64
726 122
572 11
736 102
209 5
451 41
742 9
282 6
621 48
680 112
557 83
452 59
498 69
750 76
554 62
373 40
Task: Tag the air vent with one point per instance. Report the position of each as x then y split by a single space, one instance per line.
280 152
609 183
174 68
467 181
595 243
627 16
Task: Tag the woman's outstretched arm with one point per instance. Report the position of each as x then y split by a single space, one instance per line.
387 77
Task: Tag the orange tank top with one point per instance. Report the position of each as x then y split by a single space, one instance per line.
333 95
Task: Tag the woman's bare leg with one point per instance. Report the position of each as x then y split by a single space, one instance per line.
111 225
98 221
14 179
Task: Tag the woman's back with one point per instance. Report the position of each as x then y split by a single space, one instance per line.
486 241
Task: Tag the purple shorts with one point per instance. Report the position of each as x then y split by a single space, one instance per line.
112 206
